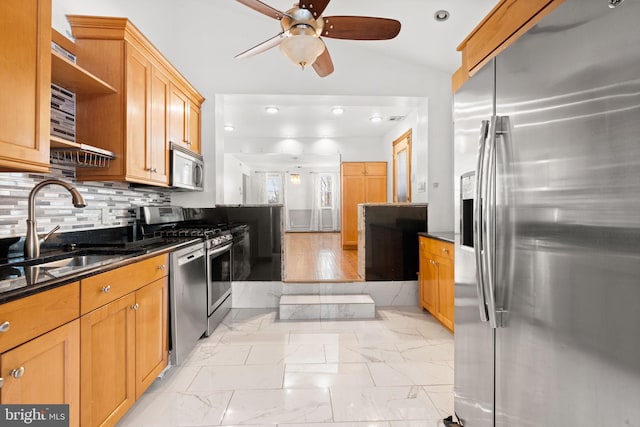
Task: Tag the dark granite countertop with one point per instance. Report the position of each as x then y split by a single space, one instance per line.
25 284
445 236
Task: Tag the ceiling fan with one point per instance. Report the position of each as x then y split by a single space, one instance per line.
302 28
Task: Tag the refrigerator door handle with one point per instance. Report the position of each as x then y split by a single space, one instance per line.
477 222
502 288
490 221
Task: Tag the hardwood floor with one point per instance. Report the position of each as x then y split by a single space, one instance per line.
318 257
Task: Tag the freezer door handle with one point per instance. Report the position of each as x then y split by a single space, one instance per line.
477 221
489 223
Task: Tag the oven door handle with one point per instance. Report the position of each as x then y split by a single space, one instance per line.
217 251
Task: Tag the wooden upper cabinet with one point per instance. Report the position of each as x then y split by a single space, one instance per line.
506 22
25 79
139 122
184 117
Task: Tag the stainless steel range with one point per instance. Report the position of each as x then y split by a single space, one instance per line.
200 272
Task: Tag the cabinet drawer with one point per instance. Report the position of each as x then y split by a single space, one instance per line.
106 287
438 248
32 316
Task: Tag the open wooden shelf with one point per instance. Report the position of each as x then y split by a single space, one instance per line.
57 142
76 79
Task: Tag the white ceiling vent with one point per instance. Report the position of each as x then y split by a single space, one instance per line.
396 118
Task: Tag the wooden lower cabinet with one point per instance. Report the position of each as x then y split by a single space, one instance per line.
45 370
436 280
124 349
152 334
107 362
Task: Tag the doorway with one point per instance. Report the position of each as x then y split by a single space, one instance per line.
402 168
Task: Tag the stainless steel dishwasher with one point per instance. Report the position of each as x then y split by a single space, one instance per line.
188 296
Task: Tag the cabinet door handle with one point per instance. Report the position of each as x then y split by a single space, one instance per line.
4 327
17 373
106 289
188 142
135 306
445 250
162 267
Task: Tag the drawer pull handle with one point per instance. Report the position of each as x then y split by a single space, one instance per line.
445 250
161 267
4 327
17 373
106 289
135 306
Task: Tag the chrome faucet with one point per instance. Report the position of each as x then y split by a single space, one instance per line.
32 241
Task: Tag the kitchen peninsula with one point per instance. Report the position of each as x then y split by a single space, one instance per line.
388 240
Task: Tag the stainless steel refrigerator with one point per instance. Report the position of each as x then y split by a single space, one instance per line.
547 274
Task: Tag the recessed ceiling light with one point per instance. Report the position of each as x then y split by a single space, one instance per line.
271 109
375 119
337 110
229 128
441 15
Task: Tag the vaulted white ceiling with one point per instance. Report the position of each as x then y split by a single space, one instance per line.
201 37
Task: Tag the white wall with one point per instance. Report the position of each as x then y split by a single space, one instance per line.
234 170
203 47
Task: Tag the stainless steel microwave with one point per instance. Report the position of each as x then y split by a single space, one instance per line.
187 169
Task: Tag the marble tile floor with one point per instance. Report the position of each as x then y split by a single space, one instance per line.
257 371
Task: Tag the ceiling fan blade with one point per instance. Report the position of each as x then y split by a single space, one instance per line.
265 45
360 28
316 7
263 8
323 64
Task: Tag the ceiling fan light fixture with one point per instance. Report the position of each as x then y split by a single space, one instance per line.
302 49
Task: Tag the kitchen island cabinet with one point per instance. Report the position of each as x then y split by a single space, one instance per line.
25 76
40 354
436 281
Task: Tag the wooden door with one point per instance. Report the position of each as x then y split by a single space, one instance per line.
402 168
158 112
194 141
107 362
47 370
25 73
353 193
152 345
138 75
178 117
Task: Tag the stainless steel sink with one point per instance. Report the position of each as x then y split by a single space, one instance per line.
78 261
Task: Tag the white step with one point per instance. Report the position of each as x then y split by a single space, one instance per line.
316 307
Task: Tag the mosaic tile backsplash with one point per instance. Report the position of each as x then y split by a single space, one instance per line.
109 204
